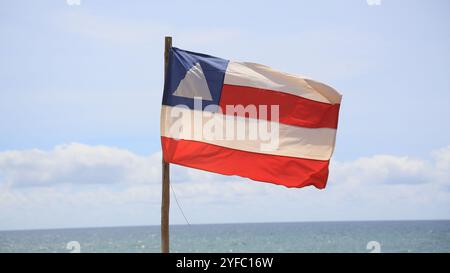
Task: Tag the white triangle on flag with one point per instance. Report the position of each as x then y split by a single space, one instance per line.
194 84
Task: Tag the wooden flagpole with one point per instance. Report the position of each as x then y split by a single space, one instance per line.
165 200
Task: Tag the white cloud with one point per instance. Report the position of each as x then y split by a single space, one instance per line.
76 164
98 180
383 169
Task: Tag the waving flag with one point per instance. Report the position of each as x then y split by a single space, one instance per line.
247 119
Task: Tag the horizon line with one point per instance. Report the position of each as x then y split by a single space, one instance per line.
230 223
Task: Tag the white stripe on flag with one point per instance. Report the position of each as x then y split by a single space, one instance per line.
264 77
293 141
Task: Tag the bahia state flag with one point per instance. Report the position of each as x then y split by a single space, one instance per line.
247 119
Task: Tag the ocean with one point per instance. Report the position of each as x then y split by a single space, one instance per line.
383 236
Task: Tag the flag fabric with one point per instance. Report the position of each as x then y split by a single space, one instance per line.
287 123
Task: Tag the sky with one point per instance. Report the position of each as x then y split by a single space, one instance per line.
80 97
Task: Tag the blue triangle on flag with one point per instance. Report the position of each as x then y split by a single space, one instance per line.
180 62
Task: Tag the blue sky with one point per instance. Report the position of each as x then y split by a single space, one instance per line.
85 83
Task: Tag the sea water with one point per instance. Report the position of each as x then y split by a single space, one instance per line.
383 236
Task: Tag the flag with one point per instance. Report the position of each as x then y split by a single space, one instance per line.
247 119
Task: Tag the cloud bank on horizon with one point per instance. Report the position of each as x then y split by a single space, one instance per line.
91 185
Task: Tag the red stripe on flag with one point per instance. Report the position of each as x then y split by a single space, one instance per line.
282 170
293 110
